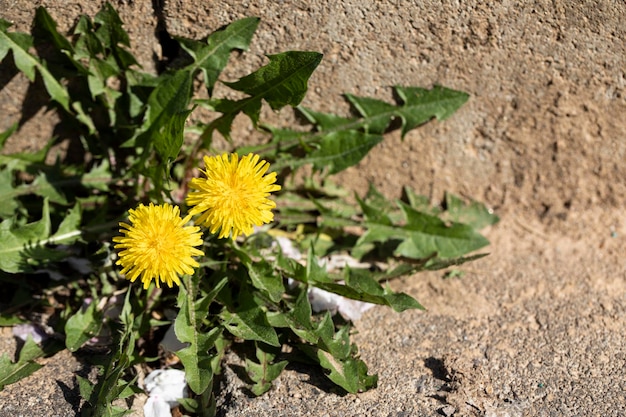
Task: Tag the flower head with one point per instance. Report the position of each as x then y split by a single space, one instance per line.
157 245
233 196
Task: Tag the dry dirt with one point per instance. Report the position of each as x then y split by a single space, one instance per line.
535 329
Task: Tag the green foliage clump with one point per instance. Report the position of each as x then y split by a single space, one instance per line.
249 295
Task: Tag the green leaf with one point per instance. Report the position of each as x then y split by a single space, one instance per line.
340 150
428 234
82 326
264 372
377 114
12 372
249 321
281 82
197 361
7 133
22 245
335 354
170 98
424 235
45 23
196 357
420 105
170 137
473 213
361 285
15 241
250 324
264 277
298 318
85 387
211 57
20 44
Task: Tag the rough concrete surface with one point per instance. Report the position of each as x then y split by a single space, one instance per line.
535 329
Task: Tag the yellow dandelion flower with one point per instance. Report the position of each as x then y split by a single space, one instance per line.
157 245
233 196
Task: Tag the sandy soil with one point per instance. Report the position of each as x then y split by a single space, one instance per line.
535 329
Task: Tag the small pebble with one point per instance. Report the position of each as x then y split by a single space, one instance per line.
447 410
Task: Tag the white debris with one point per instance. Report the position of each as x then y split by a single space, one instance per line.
164 387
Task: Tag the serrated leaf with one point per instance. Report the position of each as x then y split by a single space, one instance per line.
250 323
12 372
14 241
197 361
428 234
69 229
361 285
263 372
85 387
188 328
264 278
47 25
424 235
326 121
7 133
340 150
99 177
19 245
169 139
169 99
281 82
211 57
376 113
298 319
82 326
19 44
344 369
472 213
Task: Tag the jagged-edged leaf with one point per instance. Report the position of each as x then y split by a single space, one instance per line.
428 234
473 213
82 326
298 318
168 100
196 357
7 133
363 286
377 114
424 235
212 56
197 361
340 150
335 354
8 204
11 372
265 371
264 278
44 22
112 35
169 139
20 44
250 324
98 177
281 82
16 240
24 244
327 121
421 105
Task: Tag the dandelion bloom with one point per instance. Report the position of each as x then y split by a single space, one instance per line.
233 196
157 245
